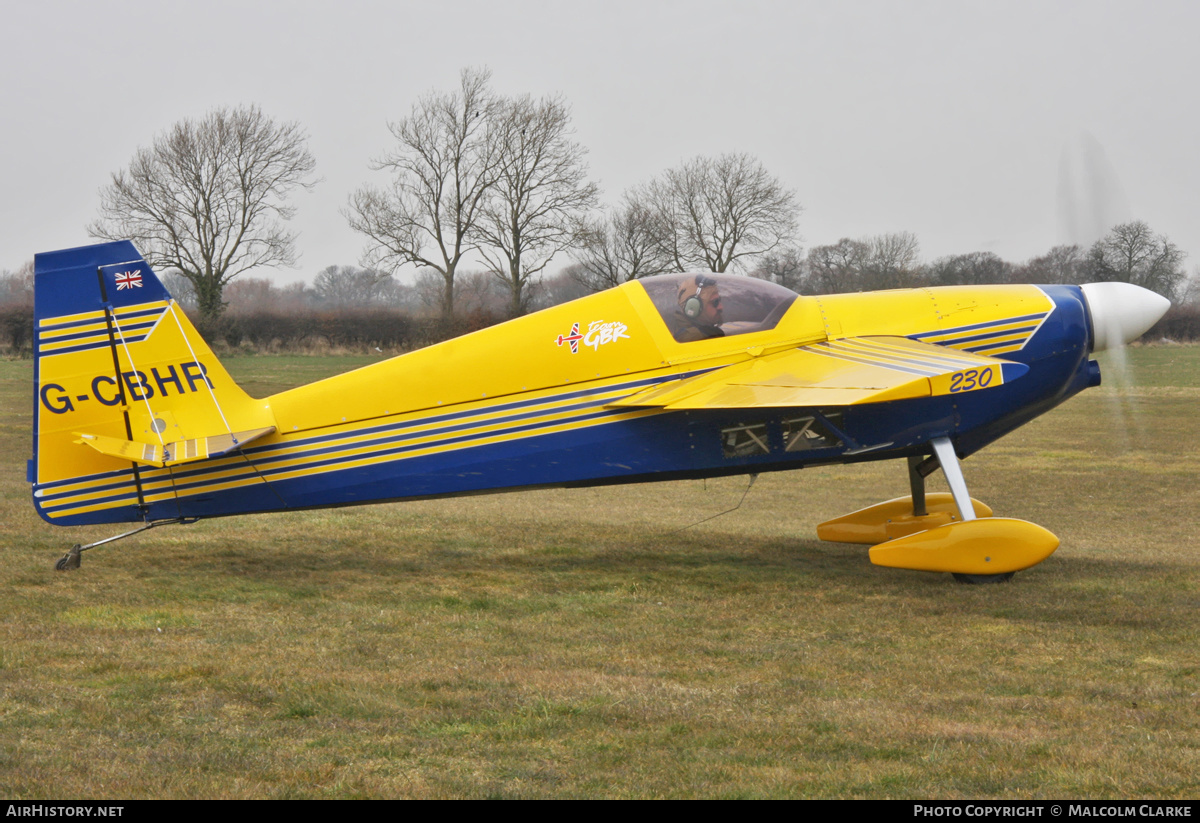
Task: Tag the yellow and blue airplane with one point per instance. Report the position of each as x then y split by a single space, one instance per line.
676 376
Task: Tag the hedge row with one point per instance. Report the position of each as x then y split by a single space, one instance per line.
305 331
364 328
16 328
1181 323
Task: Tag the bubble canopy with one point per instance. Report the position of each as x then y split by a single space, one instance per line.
703 306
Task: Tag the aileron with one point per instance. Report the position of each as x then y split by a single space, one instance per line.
835 373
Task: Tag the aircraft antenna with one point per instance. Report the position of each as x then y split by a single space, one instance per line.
749 486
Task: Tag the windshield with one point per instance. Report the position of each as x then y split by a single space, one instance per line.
703 306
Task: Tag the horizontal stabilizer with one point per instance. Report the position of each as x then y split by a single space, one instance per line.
835 373
172 454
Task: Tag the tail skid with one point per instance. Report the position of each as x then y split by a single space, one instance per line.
127 390
74 556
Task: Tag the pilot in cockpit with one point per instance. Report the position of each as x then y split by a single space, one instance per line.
699 309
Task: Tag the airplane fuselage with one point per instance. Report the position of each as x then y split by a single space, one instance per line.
547 400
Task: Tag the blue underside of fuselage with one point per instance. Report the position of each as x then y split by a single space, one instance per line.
665 445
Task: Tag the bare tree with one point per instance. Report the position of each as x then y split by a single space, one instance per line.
480 294
712 212
208 198
563 287
623 246
180 288
16 308
1189 290
975 269
893 261
294 297
540 195
443 168
16 288
1062 264
838 268
430 290
785 266
396 295
251 295
1131 252
881 261
344 286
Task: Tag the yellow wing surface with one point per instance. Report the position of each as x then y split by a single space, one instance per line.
835 373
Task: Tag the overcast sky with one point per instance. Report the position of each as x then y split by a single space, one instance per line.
964 123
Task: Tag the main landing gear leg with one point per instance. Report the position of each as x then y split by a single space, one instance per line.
944 449
72 559
916 482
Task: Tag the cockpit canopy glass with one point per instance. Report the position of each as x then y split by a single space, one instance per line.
703 306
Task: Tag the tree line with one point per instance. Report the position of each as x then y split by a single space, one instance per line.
471 175
356 307
1130 252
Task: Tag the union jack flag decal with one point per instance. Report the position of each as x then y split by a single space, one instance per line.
573 338
128 279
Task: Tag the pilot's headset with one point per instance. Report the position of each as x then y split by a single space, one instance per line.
693 307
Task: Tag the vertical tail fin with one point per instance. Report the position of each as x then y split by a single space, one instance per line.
126 389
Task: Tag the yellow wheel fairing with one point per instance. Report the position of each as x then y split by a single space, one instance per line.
894 518
991 545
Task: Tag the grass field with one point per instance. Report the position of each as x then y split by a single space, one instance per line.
573 643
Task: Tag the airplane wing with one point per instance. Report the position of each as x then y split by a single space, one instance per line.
835 373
